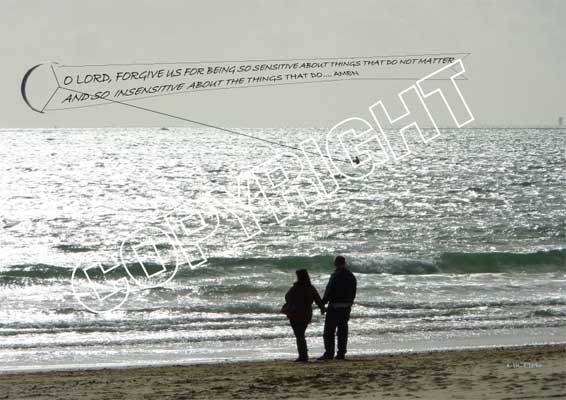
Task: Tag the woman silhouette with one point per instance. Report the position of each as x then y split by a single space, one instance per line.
298 308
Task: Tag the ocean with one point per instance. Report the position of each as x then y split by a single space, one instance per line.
458 245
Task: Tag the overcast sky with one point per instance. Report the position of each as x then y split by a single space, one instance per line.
516 70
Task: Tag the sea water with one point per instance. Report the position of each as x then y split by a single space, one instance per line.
460 244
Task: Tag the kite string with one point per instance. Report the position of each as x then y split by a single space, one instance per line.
273 142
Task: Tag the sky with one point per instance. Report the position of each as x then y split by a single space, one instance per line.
516 69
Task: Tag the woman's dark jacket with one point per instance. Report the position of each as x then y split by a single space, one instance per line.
300 298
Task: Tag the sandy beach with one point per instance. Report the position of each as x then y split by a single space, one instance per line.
535 372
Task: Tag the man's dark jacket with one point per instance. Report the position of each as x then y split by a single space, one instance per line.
341 287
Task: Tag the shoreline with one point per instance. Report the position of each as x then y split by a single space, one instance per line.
532 371
228 360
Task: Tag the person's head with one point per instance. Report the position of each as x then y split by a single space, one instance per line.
339 262
303 277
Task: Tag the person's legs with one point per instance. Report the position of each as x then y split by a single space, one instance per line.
329 334
342 331
299 329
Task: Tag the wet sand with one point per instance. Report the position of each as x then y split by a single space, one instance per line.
534 372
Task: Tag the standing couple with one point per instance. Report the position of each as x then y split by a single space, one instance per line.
339 294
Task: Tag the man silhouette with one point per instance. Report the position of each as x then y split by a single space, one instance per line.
340 294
